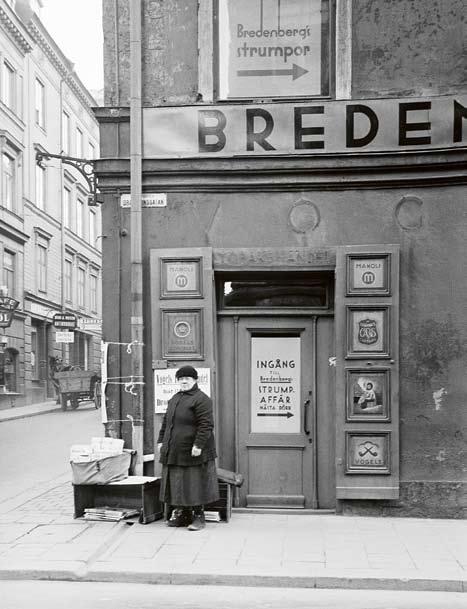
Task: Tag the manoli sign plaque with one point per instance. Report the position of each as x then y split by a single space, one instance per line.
375 125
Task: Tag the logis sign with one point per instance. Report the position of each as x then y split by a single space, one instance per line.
314 128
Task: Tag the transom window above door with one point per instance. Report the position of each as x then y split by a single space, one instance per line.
275 290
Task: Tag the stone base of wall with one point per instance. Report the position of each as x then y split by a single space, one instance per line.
417 500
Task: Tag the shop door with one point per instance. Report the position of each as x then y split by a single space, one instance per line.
277 417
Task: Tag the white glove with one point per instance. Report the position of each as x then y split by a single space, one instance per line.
195 451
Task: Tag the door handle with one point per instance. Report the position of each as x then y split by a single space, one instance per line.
305 414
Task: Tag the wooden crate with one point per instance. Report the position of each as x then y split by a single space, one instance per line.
224 504
135 492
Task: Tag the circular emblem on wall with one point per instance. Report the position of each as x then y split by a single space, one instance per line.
181 281
409 213
368 277
304 216
182 329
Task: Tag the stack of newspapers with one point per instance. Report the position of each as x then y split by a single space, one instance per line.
109 513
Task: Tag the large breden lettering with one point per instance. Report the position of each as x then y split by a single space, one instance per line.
328 127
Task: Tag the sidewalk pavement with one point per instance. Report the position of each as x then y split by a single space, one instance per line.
21 412
39 539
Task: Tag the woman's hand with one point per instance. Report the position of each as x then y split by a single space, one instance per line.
195 451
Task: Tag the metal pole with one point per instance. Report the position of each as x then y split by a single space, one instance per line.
137 328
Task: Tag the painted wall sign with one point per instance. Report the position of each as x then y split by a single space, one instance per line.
165 386
368 275
271 48
368 332
367 395
182 334
272 257
301 128
181 278
367 453
64 336
275 384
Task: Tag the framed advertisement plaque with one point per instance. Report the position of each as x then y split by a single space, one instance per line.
182 334
367 453
181 278
367 395
367 331
368 275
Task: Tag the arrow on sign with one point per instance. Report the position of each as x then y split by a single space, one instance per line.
295 72
275 414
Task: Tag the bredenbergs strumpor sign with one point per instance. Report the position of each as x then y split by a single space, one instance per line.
300 128
270 48
275 384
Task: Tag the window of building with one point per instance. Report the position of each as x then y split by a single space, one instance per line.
81 286
65 132
9 181
8 85
92 227
79 143
79 351
9 272
34 354
80 207
68 280
41 186
275 290
67 210
273 49
40 103
93 293
41 264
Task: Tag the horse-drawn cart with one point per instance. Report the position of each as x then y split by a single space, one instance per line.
79 386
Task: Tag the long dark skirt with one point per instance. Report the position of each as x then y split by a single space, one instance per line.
191 485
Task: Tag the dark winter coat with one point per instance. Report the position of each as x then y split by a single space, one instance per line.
187 422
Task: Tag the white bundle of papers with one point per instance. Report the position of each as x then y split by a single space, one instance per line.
100 448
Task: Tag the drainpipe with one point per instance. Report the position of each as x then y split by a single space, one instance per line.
137 327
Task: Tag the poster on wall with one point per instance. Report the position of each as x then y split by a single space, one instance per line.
272 48
275 384
166 385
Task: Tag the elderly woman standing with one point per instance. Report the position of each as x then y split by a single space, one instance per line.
187 453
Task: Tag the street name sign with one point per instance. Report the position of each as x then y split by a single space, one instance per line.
154 199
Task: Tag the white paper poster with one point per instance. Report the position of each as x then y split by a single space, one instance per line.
275 384
166 385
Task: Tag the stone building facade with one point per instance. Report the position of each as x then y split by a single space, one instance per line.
302 240
50 238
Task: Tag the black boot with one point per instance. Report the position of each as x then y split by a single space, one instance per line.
199 521
176 519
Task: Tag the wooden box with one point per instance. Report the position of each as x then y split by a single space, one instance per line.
136 492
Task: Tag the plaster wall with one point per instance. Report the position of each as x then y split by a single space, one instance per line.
430 226
408 47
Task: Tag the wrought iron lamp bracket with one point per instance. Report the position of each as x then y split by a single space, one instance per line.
84 166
